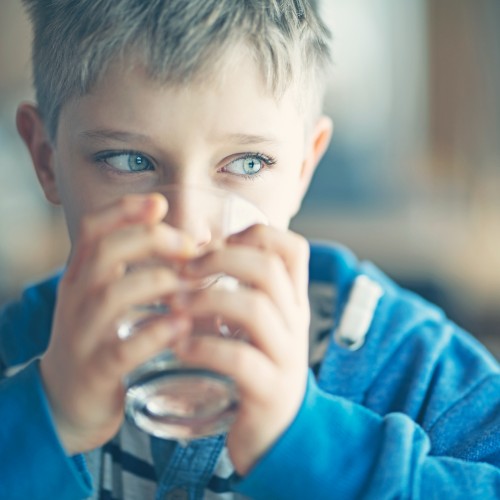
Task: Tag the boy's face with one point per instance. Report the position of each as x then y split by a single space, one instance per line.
131 134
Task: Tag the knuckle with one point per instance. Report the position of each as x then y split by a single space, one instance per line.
154 234
100 249
121 354
300 244
239 358
105 297
84 306
256 304
242 360
196 348
272 265
160 277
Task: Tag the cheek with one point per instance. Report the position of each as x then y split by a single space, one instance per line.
281 202
75 205
280 213
78 195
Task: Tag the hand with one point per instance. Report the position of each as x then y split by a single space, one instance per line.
85 363
273 311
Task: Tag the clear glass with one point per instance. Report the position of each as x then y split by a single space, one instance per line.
165 397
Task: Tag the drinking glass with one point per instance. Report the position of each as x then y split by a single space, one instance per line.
165 397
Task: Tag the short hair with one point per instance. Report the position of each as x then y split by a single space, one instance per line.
74 41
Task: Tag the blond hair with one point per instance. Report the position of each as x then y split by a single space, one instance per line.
177 40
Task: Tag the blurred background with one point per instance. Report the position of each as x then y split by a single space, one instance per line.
411 180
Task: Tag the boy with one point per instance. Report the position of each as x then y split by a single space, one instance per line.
132 95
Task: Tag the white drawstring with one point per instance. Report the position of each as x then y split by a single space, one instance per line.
358 313
14 370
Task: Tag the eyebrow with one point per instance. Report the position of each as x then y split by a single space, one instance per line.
115 135
248 139
124 136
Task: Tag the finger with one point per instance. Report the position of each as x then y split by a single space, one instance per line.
249 309
118 302
264 271
131 245
251 370
120 357
291 247
130 209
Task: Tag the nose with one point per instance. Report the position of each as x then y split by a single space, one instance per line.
195 211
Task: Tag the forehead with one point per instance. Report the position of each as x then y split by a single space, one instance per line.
234 97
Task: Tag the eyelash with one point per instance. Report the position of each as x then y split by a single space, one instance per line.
268 161
101 158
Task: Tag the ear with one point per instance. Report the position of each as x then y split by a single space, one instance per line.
32 130
317 145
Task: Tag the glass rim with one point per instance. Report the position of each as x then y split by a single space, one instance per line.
163 190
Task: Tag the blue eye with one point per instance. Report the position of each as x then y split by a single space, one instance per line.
248 166
127 162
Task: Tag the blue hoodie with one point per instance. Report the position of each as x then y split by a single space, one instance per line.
413 413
